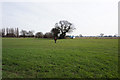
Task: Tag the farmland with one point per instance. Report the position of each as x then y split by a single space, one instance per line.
68 58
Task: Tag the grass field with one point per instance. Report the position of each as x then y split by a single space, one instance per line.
68 58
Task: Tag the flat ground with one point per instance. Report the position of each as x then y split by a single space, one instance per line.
68 58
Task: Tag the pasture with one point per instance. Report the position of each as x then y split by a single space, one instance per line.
68 58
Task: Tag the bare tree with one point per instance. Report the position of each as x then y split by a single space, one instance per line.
64 27
30 33
12 31
23 33
7 31
3 32
17 32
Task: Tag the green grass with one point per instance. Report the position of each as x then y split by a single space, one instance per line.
68 58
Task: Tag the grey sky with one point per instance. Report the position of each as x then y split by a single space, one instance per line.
89 18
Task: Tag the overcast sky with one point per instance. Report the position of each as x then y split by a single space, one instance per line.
89 17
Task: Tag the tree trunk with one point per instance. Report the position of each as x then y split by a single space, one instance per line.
62 36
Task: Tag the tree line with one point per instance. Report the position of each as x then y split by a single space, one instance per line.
10 32
14 32
60 29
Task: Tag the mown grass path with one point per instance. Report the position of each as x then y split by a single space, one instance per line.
68 58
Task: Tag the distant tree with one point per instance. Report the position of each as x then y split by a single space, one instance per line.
30 33
7 31
48 35
105 36
80 35
39 35
17 32
23 33
62 28
10 32
3 32
115 36
110 36
101 34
